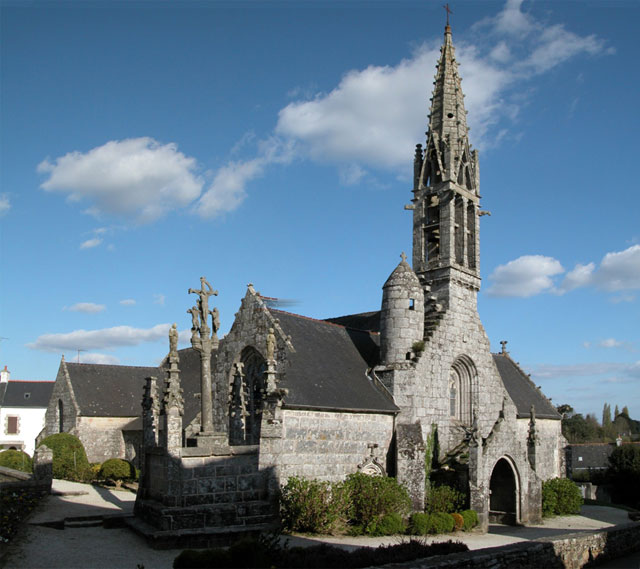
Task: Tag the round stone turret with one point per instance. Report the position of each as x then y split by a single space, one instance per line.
402 315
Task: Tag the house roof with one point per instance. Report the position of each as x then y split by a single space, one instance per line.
27 394
522 390
328 369
109 390
594 455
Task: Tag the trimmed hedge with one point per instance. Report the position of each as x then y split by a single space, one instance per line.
16 459
560 496
116 469
69 458
470 518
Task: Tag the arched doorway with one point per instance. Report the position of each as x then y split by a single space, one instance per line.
503 501
246 398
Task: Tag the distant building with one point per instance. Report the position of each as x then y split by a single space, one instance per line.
22 409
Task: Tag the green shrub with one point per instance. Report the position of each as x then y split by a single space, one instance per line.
312 506
389 524
440 522
444 499
560 496
69 458
373 497
117 469
418 524
470 518
17 460
458 522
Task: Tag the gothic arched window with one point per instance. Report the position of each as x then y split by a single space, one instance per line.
246 398
60 416
462 382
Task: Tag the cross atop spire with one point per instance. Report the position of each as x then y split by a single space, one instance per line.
446 7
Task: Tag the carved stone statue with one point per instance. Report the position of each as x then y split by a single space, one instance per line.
203 303
173 339
195 318
271 345
215 321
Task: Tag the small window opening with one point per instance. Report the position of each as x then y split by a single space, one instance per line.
412 304
27 395
450 115
408 356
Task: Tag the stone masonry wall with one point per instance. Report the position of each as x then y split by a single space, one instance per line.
102 436
550 448
326 445
61 392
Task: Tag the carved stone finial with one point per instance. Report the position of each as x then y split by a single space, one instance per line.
504 347
403 257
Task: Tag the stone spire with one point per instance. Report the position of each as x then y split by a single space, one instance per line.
446 183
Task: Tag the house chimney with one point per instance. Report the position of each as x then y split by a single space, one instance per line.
4 375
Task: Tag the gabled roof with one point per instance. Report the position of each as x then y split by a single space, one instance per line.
27 394
328 369
109 390
522 390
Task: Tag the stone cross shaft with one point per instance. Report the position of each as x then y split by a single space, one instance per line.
204 340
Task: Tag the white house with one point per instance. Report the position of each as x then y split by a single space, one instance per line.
22 408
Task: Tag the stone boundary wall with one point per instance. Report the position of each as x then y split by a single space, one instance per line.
569 551
22 481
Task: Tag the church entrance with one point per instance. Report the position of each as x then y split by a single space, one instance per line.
503 494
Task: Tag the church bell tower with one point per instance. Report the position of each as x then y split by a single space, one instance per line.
446 196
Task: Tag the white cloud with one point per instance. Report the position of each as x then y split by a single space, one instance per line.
100 339
611 343
95 358
580 276
619 270
5 204
127 302
137 177
550 371
91 243
227 191
87 307
159 299
525 276
531 274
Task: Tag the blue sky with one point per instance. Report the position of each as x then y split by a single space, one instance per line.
145 144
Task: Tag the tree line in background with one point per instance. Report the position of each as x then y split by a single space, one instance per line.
587 429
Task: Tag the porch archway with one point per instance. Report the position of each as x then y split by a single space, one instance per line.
504 493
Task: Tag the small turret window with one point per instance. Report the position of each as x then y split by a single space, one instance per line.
412 304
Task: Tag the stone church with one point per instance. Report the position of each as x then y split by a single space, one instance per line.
283 395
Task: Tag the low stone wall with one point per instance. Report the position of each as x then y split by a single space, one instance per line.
569 551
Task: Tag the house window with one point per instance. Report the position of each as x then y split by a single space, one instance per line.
12 426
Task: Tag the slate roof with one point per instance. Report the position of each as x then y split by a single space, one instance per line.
329 366
109 390
594 455
364 321
523 391
27 394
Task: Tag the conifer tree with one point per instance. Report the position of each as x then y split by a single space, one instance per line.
616 413
625 410
606 416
